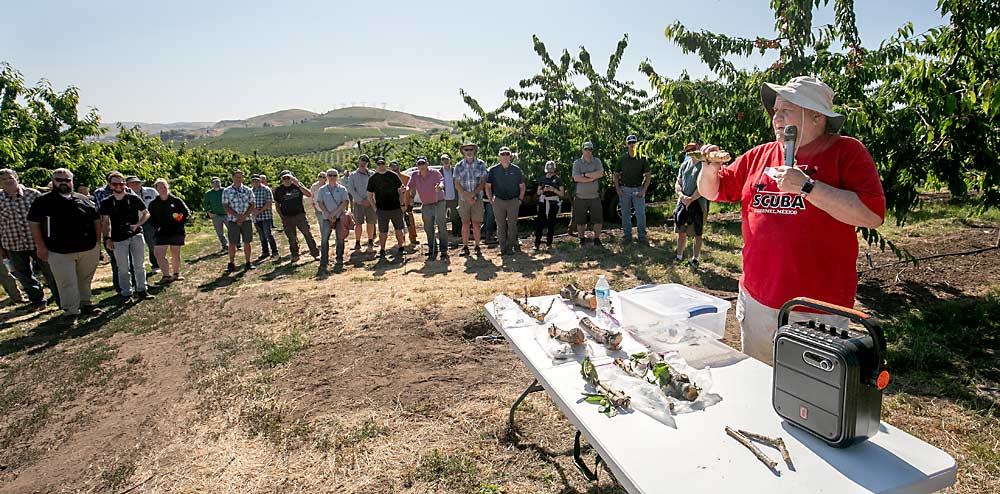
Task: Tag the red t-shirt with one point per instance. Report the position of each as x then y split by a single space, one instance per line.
791 248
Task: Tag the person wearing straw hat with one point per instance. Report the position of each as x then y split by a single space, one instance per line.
798 221
470 181
691 209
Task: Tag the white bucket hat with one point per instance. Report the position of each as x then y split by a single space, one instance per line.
807 92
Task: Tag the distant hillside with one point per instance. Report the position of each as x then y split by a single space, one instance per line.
154 128
276 119
319 132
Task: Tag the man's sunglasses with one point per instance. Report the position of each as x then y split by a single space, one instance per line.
62 180
117 184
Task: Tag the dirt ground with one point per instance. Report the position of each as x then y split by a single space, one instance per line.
370 380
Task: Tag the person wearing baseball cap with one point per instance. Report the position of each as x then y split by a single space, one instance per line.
363 210
505 190
631 178
212 201
799 222
238 200
136 185
429 184
288 199
450 194
550 193
588 170
385 192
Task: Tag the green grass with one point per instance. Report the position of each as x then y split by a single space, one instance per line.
276 352
456 470
950 346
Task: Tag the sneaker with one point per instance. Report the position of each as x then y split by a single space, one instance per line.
263 256
414 242
479 251
598 242
230 267
70 320
91 310
144 296
315 257
465 251
693 262
124 299
178 277
381 253
429 254
249 267
225 248
357 245
400 250
37 305
166 279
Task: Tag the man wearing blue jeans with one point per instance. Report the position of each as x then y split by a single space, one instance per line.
147 194
632 178
332 200
263 218
17 243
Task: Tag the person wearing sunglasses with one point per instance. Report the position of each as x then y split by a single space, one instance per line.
123 216
799 221
66 226
98 196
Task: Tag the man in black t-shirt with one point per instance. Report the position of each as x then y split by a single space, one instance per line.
631 177
385 191
65 227
288 198
123 216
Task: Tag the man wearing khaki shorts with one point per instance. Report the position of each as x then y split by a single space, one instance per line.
364 211
587 173
470 180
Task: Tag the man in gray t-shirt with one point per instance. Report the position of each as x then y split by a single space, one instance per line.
587 173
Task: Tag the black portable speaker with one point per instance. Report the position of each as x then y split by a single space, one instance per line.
827 380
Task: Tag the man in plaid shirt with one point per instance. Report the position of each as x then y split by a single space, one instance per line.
470 180
263 218
16 240
238 201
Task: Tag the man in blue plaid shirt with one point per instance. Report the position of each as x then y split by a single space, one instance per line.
470 180
263 218
238 201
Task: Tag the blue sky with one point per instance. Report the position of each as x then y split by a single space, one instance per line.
208 60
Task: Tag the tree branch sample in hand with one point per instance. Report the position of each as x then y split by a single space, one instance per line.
719 156
607 337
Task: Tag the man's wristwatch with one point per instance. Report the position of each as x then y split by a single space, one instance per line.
807 187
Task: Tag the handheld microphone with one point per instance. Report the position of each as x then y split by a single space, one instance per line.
790 135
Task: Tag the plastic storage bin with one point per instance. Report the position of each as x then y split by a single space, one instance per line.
648 306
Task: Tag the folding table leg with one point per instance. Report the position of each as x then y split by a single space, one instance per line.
532 388
581 465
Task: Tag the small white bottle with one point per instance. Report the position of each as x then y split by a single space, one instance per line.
603 293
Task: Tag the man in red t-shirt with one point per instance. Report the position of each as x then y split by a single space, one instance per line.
798 222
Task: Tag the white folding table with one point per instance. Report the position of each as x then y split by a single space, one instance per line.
647 456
